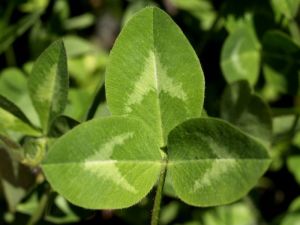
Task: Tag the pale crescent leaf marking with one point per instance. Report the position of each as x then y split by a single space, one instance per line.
218 167
106 150
169 86
49 82
219 151
144 85
217 170
108 169
159 82
236 59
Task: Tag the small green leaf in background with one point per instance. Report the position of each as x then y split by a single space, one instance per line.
13 86
235 214
114 167
213 163
294 166
285 132
288 8
68 215
240 57
12 83
60 211
79 22
280 42
154 74
233 23
62 125
203 10
292 216
280 64
169 212
247 111
133 8
76 46
13 119
48 84
34 5
79 101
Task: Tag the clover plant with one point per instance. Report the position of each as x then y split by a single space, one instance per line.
155 93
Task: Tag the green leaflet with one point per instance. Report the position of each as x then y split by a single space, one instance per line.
239 213
213 163
276 41
294 166
13 85
13 119
203 10
240 57
154 82
79 22
281 64
61 125
247 111
292 217
69 215
154 74
48 84
288 8
104 163
76 46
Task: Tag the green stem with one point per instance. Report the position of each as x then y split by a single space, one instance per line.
158 195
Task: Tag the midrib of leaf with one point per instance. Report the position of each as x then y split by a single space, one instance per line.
103 162
174 162
157 92
51 93
157 84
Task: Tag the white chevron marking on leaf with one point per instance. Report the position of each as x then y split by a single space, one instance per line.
154 78
106 150
170 86
237 60
218 169
107 169
49 82
144 85
220 151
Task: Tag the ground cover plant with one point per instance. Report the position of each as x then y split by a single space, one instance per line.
75 142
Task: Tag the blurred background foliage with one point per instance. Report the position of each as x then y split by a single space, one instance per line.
249 51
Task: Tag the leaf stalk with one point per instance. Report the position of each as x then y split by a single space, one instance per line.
159 192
